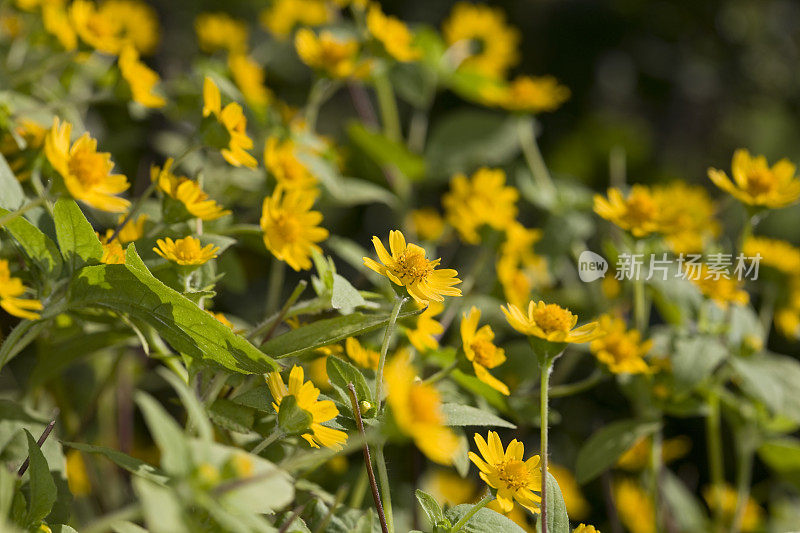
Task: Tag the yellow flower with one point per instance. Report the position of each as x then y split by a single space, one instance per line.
723 290
363 357
634 506
249 78
407 266
10 291
57 23
141 78
336 57
220 31
481 351
482 199
307 397
527 94
186 191
484 38
233 119
133 230
639 213
787 317
113 254
777 254
577 506
687 216
427 223
550 322
756 183
96 27
417 409
583 528
505 471
222 318
318 372
280 158
620 349
520 240
725 497
519 268
186 251
637 457
86 172
448 487
393 34
77 478
291 229
282 16
138 23
20 160
423 337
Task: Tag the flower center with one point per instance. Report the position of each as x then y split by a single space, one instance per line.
412 266
287 228
187 251
514 474
760 181
424 401
552 318
641 207
620 347
484 352
89 167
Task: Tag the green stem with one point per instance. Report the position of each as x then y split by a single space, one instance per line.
469 514
441 374
388 106
569 389
744 473
269 325
136 206
387 336
383 480
655 467
534 159
21 211
322 89
276 276
639 297
275 435
544 383
715 460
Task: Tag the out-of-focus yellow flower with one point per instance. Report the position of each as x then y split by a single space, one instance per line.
291 229
480 349
527 94
482 199
29 5
517 286
10 291
187 251
639 213
775 253
725 497
611 287
393 34
249 78
186 191
619 348
20 159
686 215
722 290
336 57
11 26
637 457
232 118
283 16
520 240
133 230
220 31
318 372
96 27
417 409
428 224
756 183
423 337
280 158
787 317
583 528
86 172
505 471
550 322
519 269
448 487
408 266
141 78
577 506
113 254
57 23
634 506
363 357
77 478
488 44
137 22
307 397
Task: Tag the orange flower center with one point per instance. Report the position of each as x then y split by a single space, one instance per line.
552 318
620 347
760 181
89 167
484 352
287 228
514 474
424 402
412 266
641 207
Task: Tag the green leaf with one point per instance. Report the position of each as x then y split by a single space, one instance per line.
231 415
605 446
127 527
346 191
430 506
131 289
291 418
36 245
42 487
76 238
162 509
466 415
341 373
482 521
771 379
557 519
11 195
197 413
782 455
167 435
686 510
344 296
133 465
696 358
385 152
8 485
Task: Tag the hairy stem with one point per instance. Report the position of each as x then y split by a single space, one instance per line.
387 336
544 382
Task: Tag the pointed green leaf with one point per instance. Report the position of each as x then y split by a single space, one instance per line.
482 521
167 435
11 195
36 245
76 237
341 373
466 415
43 488
384 151
557 519
197 414
431 507
133 465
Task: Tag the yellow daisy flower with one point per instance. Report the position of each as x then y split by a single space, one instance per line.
481 351
363 357
280 158
634 506
427 223
407 266
723 291
187 251
283 16
639 213
336 57
756 183
787 317
392 33
550 322
417 409
232 118
527 94
113 253
137 21
141 78
775 253
20 160
482 199
86 172
506 472
186 191
620 349
291 229
687 216
133 230
249 78
220 31
307 397
423 336
56 21
725 497
96 27
10 291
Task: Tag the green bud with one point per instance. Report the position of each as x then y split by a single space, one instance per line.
291 418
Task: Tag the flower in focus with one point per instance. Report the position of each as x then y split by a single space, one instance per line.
577 506
86 172
10 291
133 230
637 457
249 78
234 148
363 357
417 409
482 199
775 253
481 351
291 229
686 215
639 213
427 224
487 43
113 254
20 158
283 16
220 31
336 57
619 348
393 34
407 266
186 191
550 322
725 497
77 477
186 251
423 337
307 397
634 506
723 290
527 94
141 78
756 183
280 158
505 471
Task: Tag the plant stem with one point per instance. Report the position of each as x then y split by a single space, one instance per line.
655 467
42 438
320 92
534 159
544 382
387 336
639 297
388 106
744 474
715 460
277 273
275 435
383 478
19 212
271 324
442 373
468 516
136 206
569 389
